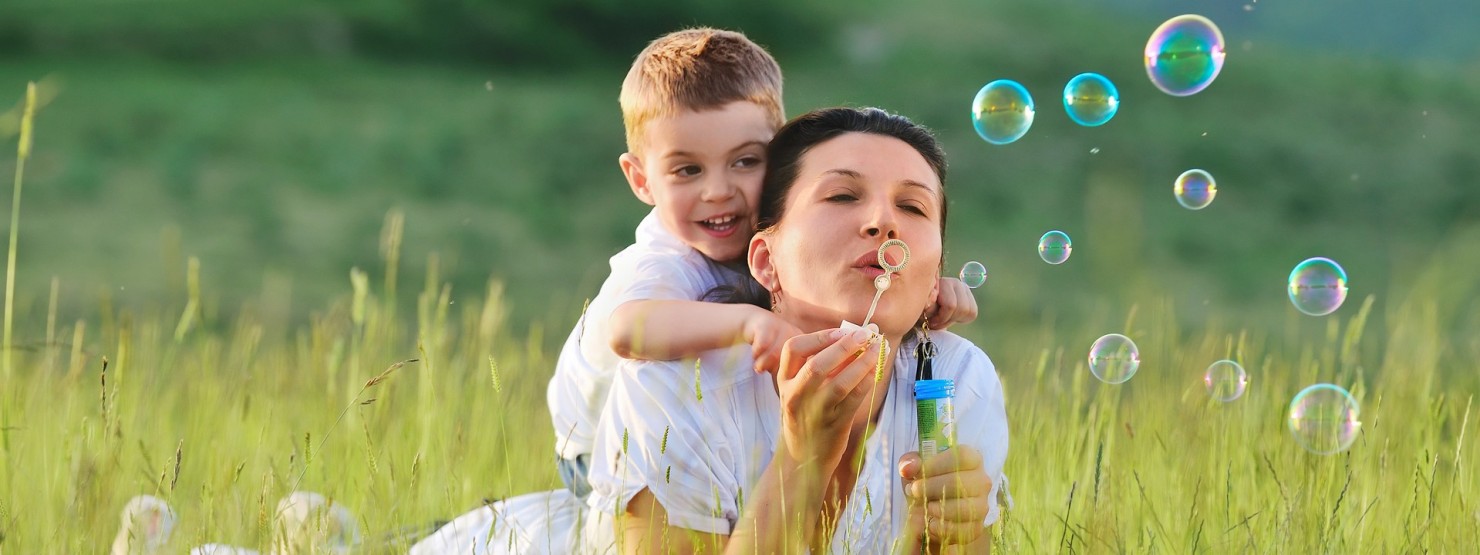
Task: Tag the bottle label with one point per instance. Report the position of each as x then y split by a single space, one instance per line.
937 426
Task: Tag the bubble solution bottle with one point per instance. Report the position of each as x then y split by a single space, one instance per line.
936 416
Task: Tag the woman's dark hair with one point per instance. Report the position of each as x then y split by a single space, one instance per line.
783 162
793 140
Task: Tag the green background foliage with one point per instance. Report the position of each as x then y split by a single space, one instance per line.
271 140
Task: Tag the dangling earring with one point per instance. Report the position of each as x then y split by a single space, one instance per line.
776 302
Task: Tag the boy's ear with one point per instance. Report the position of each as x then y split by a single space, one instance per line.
636 177
758 257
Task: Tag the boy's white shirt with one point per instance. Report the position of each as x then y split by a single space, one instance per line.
700 440
657 266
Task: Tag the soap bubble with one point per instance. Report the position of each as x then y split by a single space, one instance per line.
1323 419
1226 380
1091 99
1318 286
974 274
1054 247
1002 112
1114 358
1184 54
1195 189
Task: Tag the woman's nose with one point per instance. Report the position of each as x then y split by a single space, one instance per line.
882 223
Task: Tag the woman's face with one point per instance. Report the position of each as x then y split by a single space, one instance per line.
852 193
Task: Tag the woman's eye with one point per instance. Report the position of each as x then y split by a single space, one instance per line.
913 208
841 197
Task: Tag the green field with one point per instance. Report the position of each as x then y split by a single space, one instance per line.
482 200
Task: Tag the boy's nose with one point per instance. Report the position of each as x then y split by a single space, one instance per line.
717 189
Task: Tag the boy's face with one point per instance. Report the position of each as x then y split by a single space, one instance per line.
703 170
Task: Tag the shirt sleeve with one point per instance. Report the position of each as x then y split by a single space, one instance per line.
661 275
981 417
656 434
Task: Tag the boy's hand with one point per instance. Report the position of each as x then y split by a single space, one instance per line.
953 305
947 495
767 333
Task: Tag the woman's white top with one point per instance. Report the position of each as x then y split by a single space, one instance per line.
700 440
657 266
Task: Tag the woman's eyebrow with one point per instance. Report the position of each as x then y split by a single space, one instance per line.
850 174
912 184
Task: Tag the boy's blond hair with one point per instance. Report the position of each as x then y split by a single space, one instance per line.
697 69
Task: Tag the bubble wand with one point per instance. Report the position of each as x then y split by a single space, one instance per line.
882 282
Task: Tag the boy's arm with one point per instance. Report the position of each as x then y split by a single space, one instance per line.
667 330
954 304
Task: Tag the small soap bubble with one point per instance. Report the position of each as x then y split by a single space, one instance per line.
1091 99
882 282
1195 189
1318 286
1184 55
974 274
1323 419
1226 380
1095 150
1054 247
1002 112
1114 358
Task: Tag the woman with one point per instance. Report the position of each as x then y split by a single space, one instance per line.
818 456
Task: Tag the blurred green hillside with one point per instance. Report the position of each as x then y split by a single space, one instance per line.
272 140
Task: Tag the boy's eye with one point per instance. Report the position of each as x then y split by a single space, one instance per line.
749 162
687 171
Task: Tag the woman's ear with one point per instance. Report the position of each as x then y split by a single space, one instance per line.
636 177
762 267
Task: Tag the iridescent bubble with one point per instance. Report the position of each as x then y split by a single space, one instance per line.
1323 418
1002 112
1114 358
1054 247
1184 55
1090 99
974 274
1226 380
1195 189
1318 286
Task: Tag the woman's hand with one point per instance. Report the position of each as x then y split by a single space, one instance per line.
823 378
954 304
947 495
767 334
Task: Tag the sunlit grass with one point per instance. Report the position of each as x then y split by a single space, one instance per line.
255 412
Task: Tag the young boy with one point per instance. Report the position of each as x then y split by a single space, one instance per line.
699 107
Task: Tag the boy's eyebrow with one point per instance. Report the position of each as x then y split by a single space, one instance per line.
748 144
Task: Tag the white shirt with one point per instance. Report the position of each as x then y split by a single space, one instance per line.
657 266
700 456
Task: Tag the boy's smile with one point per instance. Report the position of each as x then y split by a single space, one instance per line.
702 171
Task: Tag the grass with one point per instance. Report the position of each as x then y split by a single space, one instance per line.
223 418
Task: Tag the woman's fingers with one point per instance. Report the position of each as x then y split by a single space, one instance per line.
971 509
960 458
799 350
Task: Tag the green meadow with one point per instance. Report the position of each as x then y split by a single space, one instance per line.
350 272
